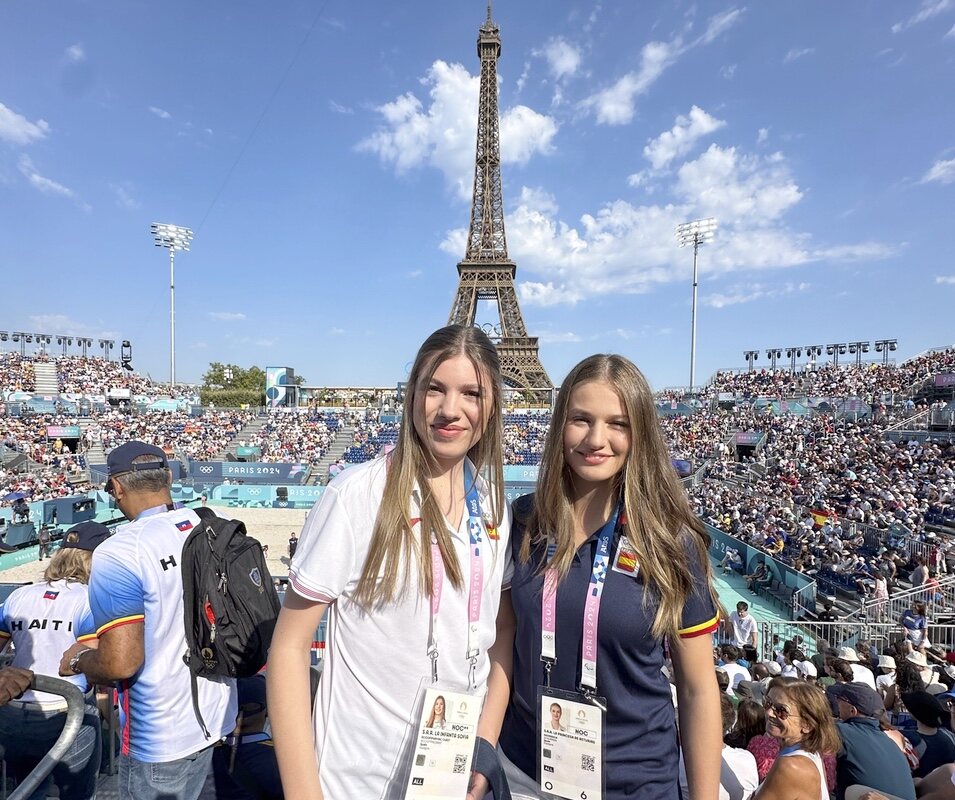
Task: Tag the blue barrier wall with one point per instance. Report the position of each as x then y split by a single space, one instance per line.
720 541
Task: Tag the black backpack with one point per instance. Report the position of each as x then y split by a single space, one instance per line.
229 603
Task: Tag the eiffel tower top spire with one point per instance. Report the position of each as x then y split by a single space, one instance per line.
486 239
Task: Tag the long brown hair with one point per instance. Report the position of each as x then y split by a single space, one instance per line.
811 704
393 541
662 528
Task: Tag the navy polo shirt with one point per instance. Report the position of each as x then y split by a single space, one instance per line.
871 758
642 756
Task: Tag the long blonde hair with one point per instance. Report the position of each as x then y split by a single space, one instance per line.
661 526
393 541
70 563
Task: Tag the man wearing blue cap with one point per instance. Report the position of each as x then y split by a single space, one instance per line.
868 759
136 598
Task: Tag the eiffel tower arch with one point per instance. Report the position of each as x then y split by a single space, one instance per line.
486 272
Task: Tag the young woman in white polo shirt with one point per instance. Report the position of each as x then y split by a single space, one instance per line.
610 562
408 554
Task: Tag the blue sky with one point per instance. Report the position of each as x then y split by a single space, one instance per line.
323 155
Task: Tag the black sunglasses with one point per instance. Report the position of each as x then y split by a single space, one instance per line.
782 712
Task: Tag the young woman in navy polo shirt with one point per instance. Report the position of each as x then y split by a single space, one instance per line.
610 563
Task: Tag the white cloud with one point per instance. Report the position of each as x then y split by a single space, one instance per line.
797 53
443 134
679 140
44 184
124 197
160 112
946 280
940 172
762 135
928 9
563 58
638 178
750 292
616 105
62 325
226 316
338 108
951 33
17 129
728 71
415 273
75 53
557 337
337 331
624 247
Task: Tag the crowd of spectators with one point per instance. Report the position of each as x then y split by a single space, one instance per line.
524 435
870 381
197 438
296 435
16 374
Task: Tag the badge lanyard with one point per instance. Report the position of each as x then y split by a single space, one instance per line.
475 582
598 576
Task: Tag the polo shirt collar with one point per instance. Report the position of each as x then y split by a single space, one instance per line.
456 533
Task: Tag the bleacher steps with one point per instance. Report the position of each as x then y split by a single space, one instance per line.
45 380
244 434
344 439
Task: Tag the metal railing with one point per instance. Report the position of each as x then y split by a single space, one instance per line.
892 608
809 635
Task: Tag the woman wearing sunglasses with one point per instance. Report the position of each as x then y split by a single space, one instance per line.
799 719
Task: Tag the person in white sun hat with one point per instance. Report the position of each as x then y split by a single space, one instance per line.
860 674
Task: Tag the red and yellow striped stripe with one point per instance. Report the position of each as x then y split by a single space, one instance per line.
698 630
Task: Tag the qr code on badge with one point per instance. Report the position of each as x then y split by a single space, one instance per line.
460 763
587 763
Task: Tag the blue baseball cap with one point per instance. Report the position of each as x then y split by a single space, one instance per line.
120 459
85 536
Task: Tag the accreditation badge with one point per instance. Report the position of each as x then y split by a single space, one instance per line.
445 739
570 744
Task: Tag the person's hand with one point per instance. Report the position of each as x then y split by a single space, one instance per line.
75 648
479 787
13 682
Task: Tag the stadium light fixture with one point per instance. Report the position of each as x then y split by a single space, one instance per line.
4 336
696 233
835 350
857 349
84 342
43 339
106 345
173 238
792 353
773 353
812 351
886 346
22 338
751 356
65 341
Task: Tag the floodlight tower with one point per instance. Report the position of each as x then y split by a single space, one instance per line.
812 351
66 341
697 232
835 350
173 238
792 353
885 346
773 354
857 349
751 356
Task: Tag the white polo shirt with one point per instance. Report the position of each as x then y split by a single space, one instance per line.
375 662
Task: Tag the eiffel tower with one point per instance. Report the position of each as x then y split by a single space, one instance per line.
486 273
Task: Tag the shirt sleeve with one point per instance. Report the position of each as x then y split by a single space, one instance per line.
507 551
85 626
116 592
4 626
326 557
700 614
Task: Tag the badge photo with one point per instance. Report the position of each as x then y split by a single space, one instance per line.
625 561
